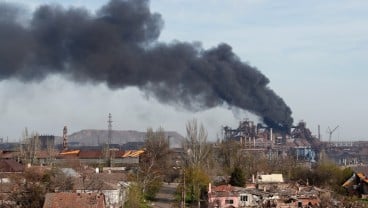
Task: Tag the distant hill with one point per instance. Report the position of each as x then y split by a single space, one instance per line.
93 137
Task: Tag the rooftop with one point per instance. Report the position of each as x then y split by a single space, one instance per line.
69 200
10 166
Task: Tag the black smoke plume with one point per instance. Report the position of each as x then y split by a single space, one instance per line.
118 45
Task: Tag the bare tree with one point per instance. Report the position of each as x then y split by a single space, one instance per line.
91 182
29 147
228 155
51 152
197 150
154 162
30 187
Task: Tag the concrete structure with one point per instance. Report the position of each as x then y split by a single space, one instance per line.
47 142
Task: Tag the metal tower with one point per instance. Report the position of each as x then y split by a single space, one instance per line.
109 133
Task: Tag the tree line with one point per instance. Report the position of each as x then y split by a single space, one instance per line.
193 168
200 161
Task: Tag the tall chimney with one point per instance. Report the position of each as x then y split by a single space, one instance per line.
271 135
109 130
65 138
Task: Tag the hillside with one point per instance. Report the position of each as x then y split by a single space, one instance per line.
93 137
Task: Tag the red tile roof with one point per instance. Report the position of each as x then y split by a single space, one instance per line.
99 181
43 154
11 166
223 188
90 154
223 191
8 154
71 200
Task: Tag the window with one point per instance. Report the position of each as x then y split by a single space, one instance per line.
229 201
243 198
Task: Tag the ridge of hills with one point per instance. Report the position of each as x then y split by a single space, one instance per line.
95 137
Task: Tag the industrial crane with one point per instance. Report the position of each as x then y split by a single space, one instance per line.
330 132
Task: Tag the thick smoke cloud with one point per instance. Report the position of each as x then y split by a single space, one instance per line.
118 45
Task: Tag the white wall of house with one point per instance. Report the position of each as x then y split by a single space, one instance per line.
247 200
113 198
270 178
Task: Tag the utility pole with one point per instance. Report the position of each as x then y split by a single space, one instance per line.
183 194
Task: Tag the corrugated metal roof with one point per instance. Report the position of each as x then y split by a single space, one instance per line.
72 152
133 153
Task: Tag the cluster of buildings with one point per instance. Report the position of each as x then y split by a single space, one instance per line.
106 184
98 175
89 187
299 143
266 191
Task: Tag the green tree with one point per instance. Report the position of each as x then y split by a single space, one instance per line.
196 162
237 177
135 197
325 174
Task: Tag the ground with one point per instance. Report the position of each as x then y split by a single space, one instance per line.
165 197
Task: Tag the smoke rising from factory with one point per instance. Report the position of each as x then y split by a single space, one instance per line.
118 45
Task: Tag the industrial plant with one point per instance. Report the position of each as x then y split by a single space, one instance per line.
108 158
275 162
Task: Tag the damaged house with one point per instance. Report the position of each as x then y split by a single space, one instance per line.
268 191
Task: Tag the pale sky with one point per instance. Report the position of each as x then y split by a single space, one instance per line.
314 53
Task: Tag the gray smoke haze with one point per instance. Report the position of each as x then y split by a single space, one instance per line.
118 46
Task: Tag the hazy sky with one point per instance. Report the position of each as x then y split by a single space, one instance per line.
314 53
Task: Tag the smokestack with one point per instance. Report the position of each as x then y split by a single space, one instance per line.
118 45
65 138
271 134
